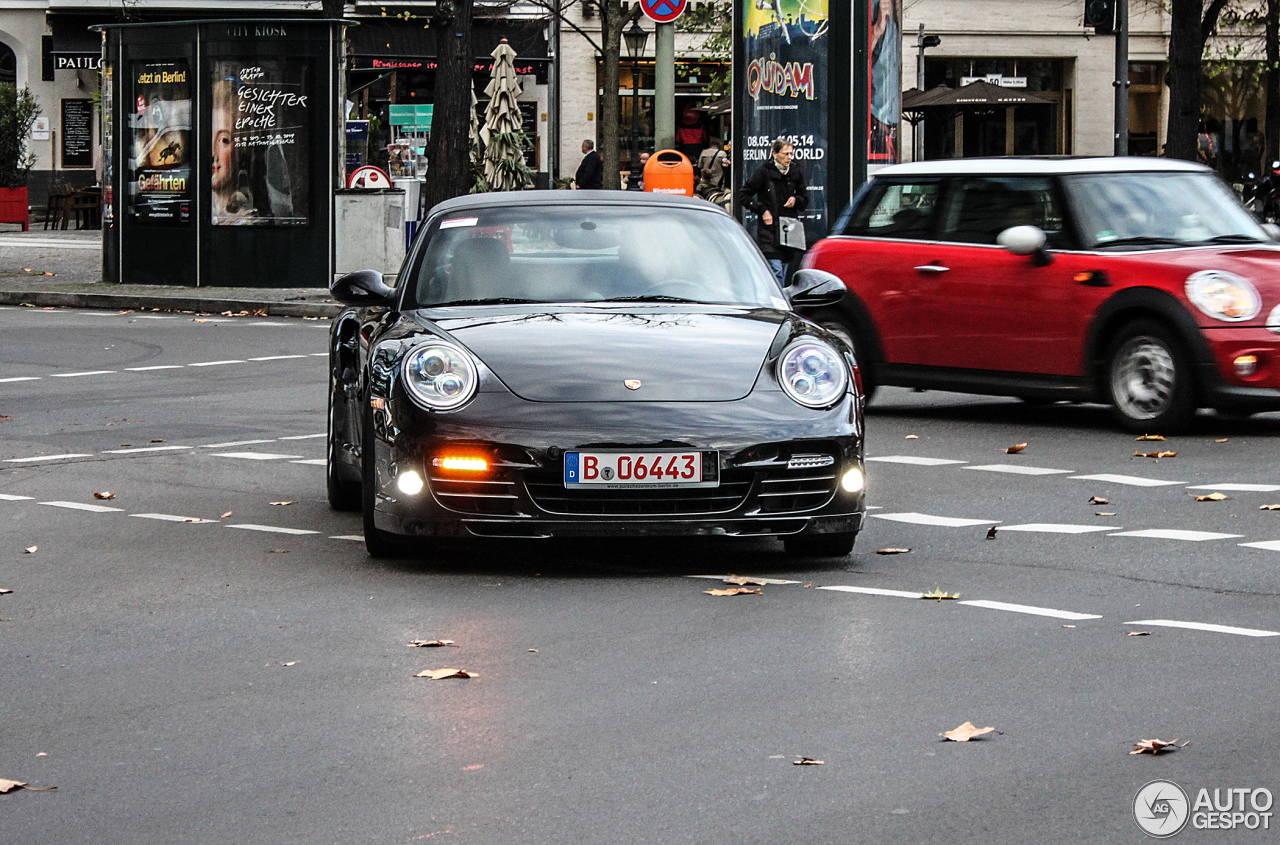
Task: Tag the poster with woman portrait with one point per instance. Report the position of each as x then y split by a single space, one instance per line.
261 142
159 166
884 81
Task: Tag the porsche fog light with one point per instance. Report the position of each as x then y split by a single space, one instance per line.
409 482
853 481
1223 295
811 373
440 376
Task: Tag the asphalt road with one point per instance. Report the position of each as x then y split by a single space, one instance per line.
210 657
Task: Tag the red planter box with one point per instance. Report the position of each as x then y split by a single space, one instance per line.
13 207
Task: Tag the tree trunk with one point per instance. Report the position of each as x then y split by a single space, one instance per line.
1185 52
1273 85
611 20
449 149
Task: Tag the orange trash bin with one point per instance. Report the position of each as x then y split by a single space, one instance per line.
669 172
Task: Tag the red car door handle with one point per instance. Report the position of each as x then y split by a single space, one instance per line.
932 268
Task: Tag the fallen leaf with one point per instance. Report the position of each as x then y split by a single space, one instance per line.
965 732
912 437
1015 449
30 550
47 273
3 591
991 533
1104 513
744 581
225 515
892 551
533 651
1155 746
42 754
473 768
290 663
1212 497
106 494
441 674
198 320
1138 634
1098 500
7 785
1223 440
809 761
277 551
939 595
1068 626
733 591
159 440
1150 437
282 503
1269 507
27 270
430 643
1166 454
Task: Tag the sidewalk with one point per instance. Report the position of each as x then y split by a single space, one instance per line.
64 268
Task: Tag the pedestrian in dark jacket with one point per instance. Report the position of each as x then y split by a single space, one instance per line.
777 189
590 175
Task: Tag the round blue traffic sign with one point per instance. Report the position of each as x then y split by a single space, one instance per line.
663 11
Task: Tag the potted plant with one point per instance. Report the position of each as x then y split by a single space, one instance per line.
18 110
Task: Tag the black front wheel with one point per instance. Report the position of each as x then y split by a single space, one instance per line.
1148 379
344 495
377 542
820 545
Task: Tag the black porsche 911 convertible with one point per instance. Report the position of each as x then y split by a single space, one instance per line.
591 363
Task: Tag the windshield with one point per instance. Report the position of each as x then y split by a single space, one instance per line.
1143 210
590 253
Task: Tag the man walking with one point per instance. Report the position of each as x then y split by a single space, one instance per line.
777 189
590 175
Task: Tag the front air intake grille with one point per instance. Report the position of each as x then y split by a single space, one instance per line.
785 490
485 497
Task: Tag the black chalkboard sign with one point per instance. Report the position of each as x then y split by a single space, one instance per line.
77 133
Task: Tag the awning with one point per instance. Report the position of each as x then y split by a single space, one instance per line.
974 95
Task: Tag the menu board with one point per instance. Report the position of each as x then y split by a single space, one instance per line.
261 142
160 125
77 133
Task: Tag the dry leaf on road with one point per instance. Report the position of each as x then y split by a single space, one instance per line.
939 595
892 551
30 550
282 503
965 732
7 785
809 761
105 494
1269 507
1155 746
744 581
3 591
733 591
991 533
290 663
1138 634
1150 437
225 515
1104 513
1155 454
1098 500
912 437
1015 449
1213 497
277 551
430 643
441 674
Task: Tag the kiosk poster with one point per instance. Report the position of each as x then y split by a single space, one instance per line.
159 159
261 142
108 145
785 52
884 81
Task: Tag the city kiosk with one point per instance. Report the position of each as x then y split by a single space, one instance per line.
220 152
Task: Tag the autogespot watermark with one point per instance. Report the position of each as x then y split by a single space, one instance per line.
1162 808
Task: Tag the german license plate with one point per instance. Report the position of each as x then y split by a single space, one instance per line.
629 470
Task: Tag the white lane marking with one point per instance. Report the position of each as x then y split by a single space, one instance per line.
45 458
9 497
1131 480
1026 608
277 357
255 456
874 591
752 577
155 367
1269 545
20 378
1020 470
319 354
356 537
914 461
76 506
303 436
272 529
214 363
50 244
1176 534
315 462
1205 626
144 449
234 443
1239 488
1058 528
88 373
926 519
168 517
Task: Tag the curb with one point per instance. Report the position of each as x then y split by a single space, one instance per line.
169 303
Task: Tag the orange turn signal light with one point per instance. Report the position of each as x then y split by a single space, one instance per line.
459 462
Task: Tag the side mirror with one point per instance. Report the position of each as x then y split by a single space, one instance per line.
811 288
1026 240
363 287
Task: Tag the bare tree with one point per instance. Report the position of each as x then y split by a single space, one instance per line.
449 148
1191 24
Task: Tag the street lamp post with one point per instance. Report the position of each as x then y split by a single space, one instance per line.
635 36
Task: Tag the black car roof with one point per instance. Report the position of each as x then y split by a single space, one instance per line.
571 198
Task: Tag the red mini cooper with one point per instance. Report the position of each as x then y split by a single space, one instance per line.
1139 282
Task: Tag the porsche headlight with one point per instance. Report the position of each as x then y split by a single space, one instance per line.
812 373
1223 295
440 376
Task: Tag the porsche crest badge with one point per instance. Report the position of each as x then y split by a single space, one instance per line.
632 383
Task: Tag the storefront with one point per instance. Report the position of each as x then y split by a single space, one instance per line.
1037 125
